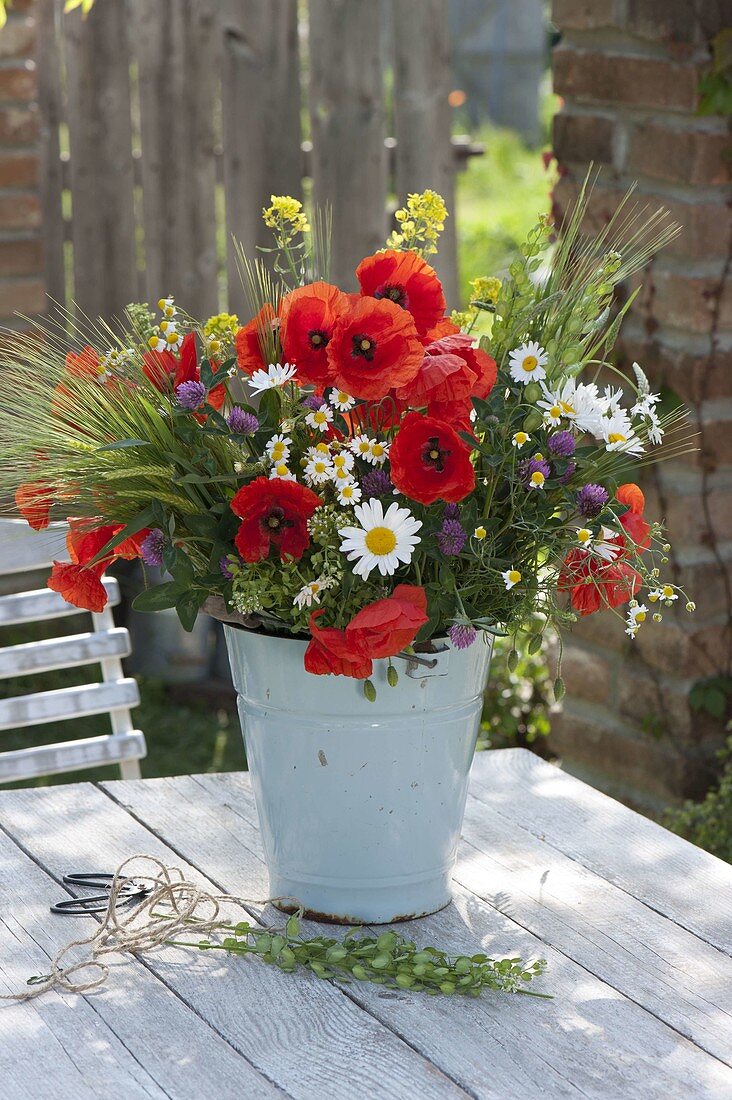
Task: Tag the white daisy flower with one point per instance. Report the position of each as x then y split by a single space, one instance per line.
382 541
668 595
341 401
378 453
526 364
584 536
318 470
479 533
611 400
511 577
607 546
274 377
536 480
308 594
349 492
619 434
655 595
361 446
646 404
520 439
343 460
636 616
320 450
278 448
167 307
282 472
320 418
579 403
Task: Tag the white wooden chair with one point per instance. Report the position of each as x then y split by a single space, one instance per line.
22 551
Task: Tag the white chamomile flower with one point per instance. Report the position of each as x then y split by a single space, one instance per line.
646 404
341 474
668 595
348 492
536 480
526 364
611 400
343 460
320 418
318 470
361 446
274 377
341 401
157 343
607 546
584 536
511 578
167 307
619 434
655 595
320 450
519 439
479 533
278 448
636 616
282 472
578 403
382 541
308 594
653 427
378 453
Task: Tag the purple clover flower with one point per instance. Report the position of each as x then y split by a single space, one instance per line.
452 511
451 538
569 472
241 422
313 402
462 635
530 466
591 499
376 483
151 549
190 395
224 566
561 444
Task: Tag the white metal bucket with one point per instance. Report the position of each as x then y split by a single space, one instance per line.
360 804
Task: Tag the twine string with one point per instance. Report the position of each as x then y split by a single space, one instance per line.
137 930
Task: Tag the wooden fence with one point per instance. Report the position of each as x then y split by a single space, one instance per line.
166 126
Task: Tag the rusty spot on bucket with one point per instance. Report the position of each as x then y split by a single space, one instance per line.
322 758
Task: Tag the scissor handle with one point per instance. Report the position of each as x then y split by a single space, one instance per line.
99 879
97 903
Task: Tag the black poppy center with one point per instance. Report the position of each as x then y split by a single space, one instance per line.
364 347
275 521
318 338
394 292
434 455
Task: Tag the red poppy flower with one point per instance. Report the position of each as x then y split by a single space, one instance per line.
34 502
430 462
456 413
444 327
166 371
384 628
632 521
308 316
84 363
79 585
632 495
374 348
79 581
452 370
330 652
251 340
594 583
407 280
275 514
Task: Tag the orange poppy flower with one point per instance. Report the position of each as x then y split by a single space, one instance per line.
166 371
309 315
34 502
331 653
251 340
374 348
384 628
407 280
444 327
452 369
85 362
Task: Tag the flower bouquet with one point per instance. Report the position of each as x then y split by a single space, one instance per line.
363 489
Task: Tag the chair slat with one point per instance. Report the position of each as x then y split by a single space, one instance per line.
42 604
67 652
72 702
87 752
23 550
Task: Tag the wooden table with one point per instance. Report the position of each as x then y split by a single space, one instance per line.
635 924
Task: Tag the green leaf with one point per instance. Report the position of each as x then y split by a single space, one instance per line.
187 607
158 598
143 519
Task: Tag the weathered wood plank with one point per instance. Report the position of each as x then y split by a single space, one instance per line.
219 834
100 136
347 118
423 118
69 652
686 884
50 175
23 550
70 702
19 765
306 1036
41 604
176 49
260 78
135 1038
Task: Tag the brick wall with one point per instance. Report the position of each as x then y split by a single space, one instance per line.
21 258
628 73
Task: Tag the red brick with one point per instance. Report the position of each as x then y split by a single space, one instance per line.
583 138
17 38
23 257
621 78
692 377
18 83
604 628
587 675
22 297
679 156
18 125
682 301
18 169
675 22
19 212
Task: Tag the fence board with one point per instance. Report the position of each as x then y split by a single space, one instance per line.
422 119
261 120
176 48
100 135
348 126
50 182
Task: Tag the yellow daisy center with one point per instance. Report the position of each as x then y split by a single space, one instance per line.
480 532
380 541
320 418
521 438
555 412
616 437
668 591
363 448
584 535
323 448
640 616
514 576
281 469
537 478
378 450
343 398
567 407
530 363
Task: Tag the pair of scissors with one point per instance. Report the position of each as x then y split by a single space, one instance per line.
130 892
